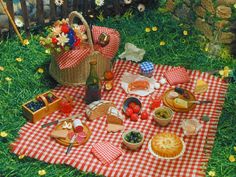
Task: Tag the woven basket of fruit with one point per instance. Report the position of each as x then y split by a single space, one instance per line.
43 105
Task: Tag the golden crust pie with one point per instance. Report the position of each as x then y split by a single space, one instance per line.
166 144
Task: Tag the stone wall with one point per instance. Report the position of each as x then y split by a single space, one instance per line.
213 18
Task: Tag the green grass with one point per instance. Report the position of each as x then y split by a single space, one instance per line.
179 50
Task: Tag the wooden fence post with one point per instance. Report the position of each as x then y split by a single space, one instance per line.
40 12
11 12
25 17
52 10
65 9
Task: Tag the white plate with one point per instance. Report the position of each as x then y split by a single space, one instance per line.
166 158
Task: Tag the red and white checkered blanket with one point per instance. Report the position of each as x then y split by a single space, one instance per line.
35 141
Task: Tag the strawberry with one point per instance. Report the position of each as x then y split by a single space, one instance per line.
136 109
129 111
144 115
134 117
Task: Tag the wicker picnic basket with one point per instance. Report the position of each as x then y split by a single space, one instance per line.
77 75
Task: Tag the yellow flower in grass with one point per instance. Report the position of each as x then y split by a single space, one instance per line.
19 59
147 29
154 28
42 172
40 70
3 134
25 42
212 173
225 72
21 156
1 68
185 32
8 79
162 43
232 158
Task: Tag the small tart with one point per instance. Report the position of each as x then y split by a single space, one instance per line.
166 144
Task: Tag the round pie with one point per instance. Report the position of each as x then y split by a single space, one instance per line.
166 144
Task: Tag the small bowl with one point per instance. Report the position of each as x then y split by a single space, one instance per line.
130 100
162 121
132 146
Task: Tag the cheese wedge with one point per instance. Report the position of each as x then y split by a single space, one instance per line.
201 87
114 127
180 103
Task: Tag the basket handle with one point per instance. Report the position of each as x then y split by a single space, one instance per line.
74 14
44 100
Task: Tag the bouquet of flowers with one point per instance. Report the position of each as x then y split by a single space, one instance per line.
63 37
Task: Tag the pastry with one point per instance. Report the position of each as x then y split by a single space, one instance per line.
114 116
180 103
201 87
166 145
98 109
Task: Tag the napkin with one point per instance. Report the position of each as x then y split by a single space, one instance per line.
106 152
177 75
132 53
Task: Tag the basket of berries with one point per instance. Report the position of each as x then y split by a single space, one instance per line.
43 105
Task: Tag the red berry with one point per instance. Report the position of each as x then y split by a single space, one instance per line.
134 117
144 115
129 111
54 40
136 109
155 104
131 105
65 28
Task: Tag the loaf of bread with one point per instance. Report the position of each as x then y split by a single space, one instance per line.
59 134
114 116
98 109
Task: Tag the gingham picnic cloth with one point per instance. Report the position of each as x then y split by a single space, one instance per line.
106 152
35 142
72 58
177 75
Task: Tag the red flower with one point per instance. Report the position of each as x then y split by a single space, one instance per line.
54 40
77 42
65 28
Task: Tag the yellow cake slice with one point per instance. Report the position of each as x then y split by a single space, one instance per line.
201 87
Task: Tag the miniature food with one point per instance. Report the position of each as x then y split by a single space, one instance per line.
133 137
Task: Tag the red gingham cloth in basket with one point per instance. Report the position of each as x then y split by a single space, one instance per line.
177 75
106 152
73 57
35 142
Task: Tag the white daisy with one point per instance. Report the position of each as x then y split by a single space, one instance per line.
59 2
19 21
99 2
62 39
127 1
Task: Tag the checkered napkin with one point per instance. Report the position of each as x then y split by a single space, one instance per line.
177 75
106 152
35 142
72 58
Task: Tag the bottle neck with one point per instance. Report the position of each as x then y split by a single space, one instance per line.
93 70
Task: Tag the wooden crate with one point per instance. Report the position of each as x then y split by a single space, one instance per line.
44 111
